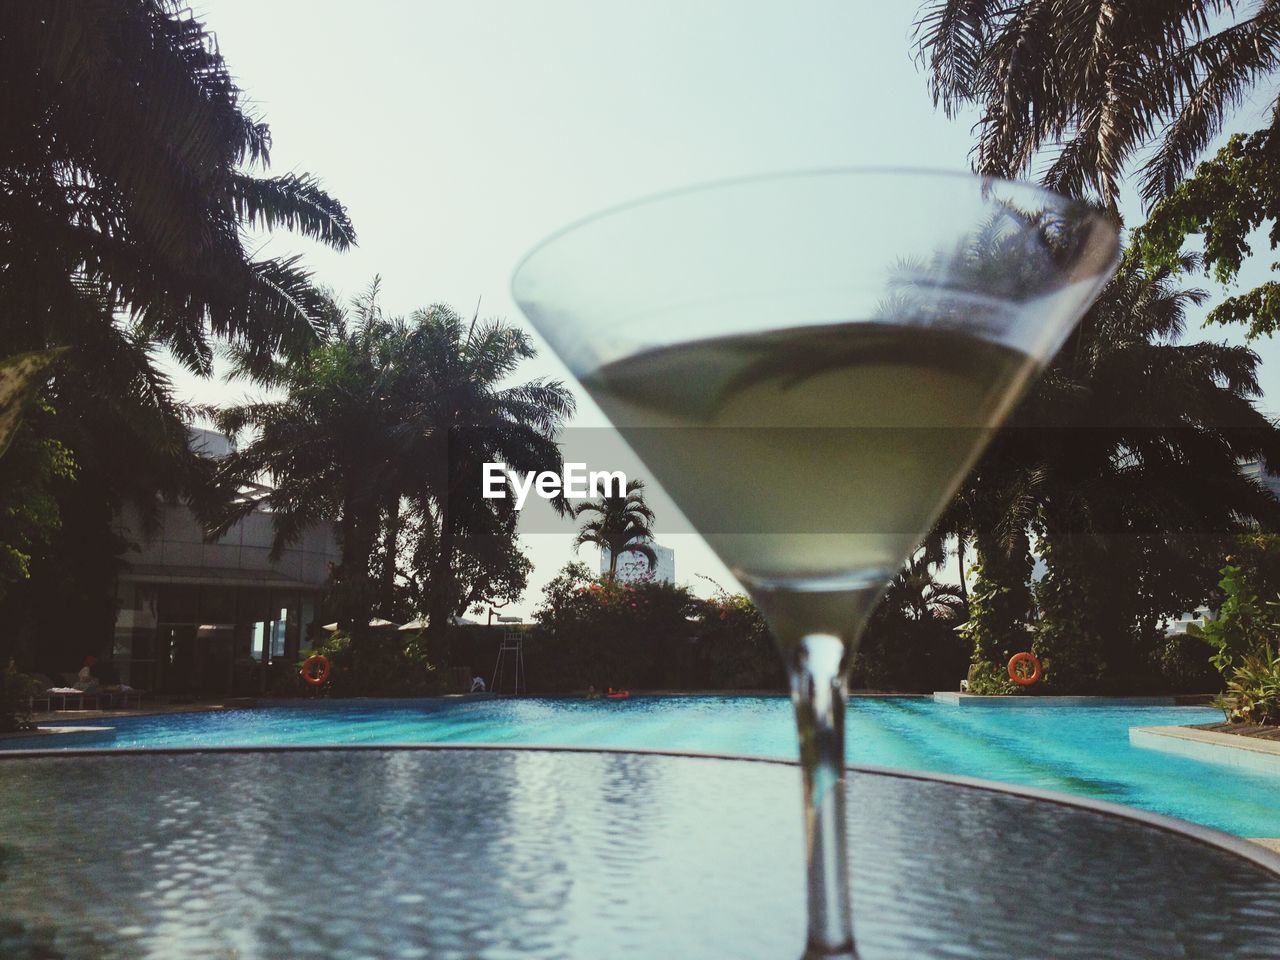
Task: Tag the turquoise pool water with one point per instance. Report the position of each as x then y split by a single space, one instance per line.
1079 750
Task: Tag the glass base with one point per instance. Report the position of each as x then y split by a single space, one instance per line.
833 953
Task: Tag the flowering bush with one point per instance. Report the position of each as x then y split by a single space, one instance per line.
646 635
735 646
605 633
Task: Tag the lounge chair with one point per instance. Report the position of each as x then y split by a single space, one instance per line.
71 690
118 697
35 692
59 697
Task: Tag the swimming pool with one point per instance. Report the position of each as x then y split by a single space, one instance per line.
1078 750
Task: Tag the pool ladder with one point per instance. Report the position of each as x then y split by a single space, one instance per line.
512 645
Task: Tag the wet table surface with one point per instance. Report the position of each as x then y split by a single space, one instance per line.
462 853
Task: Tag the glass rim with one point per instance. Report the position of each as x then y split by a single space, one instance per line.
1090 212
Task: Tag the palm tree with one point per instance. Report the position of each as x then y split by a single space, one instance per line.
130 188
127 163
1096 82
329 449
461 413
1130 445
911 641
916 592
623 524
389 415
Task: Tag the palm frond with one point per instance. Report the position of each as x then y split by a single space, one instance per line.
294 202
1213 75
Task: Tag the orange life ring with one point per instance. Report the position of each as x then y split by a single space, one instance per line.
316 679
1016 661
618 694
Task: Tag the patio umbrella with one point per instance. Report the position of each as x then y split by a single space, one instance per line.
376 622
421 623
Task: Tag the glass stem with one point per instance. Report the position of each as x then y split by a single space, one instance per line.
819 694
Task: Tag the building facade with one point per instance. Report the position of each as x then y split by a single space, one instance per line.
633 567
1254 470
208 619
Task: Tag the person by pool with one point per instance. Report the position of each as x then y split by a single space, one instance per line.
86 682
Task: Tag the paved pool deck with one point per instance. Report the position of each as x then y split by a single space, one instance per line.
62 717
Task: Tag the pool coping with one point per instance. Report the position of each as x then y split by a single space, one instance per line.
1257 854
957 699
1226 749
63 733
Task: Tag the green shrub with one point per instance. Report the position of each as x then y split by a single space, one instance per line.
1180 663
988 679
646 635
605 633
735 649
1253 691
16 690
913 656
999 603
1242 627
1244 632
382 663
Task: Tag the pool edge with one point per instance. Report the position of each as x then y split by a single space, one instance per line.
1241 846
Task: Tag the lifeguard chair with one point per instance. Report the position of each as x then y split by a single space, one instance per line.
509 668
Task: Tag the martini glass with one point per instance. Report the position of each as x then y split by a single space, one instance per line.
809 364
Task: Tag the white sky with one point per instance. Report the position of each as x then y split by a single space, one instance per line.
459 134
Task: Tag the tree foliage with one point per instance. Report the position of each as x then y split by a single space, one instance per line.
131 182
1000 606
489 567
911 641
106 434
468 413
606 633
1083 86
329 449
1230 196
29 514
383 428
1242 626
917 594
735 649
601 632
1124 461
21 376
126 163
